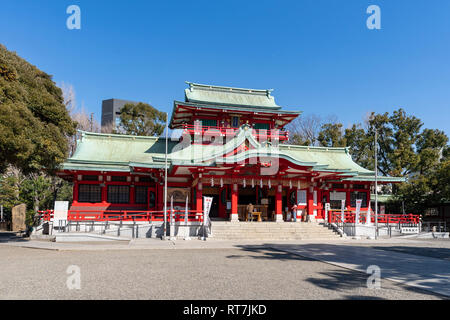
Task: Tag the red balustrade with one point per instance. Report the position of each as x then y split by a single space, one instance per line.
214 130
124 215
335 216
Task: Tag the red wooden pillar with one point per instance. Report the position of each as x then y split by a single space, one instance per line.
160 199
279 204
310 200
75 193
234 203
348 198
132 194
199 197
104 192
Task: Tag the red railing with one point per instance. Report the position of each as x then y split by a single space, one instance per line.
123 215
335 216
214 130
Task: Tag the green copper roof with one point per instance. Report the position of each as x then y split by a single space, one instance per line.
240 101
114 152
382 197
232 96
111 152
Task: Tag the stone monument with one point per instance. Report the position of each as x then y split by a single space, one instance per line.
18 218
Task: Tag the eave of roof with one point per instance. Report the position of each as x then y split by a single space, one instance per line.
231 108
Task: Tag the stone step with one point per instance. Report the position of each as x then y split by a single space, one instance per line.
270 231
255 225
274 228
298 236
275 238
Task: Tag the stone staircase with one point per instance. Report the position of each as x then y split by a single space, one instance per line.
225 230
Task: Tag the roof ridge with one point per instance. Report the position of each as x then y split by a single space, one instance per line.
345 149
117 135
246 90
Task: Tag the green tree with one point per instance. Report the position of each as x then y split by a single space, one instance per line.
431 146
37 190
404 150
331 135
361 144
424 191
34 123
397 136
141 119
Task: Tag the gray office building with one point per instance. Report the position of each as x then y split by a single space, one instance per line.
111 111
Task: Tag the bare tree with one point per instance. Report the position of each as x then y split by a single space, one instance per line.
69 97
85 121
108 128
305 129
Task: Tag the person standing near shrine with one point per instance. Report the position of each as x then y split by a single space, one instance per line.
294 212
250 209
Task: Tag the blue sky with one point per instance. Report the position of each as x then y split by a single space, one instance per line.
318 55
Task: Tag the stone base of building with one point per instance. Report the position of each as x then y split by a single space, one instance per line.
279 218
234 217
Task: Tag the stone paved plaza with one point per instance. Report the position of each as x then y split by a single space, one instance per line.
156 269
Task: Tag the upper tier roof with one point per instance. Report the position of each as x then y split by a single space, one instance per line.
208 94
216 101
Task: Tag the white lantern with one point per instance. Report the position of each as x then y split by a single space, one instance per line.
269 185
290 184
221 182
253 183
245 183
212 182
260 183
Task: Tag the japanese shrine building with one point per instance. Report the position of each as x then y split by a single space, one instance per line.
233 147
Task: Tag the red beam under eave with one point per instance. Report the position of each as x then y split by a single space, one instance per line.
215 111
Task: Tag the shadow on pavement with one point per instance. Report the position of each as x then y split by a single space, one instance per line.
438 253
10 236
432 274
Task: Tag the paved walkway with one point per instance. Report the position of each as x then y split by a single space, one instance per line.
413 268
418 271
